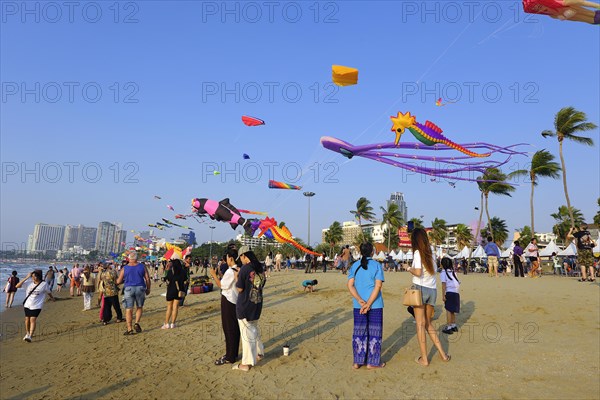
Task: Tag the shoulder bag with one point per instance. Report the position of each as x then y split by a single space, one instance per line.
413 296
31 292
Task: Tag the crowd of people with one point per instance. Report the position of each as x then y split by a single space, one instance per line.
241 278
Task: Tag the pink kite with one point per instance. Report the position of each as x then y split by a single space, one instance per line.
573 10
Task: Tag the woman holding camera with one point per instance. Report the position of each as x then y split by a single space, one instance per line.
229 296
34 301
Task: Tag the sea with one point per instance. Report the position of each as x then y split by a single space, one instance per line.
6 269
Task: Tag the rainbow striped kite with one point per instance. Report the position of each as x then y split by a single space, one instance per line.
282 185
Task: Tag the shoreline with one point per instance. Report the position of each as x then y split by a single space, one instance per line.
517 339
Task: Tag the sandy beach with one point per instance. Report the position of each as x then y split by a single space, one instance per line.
519 338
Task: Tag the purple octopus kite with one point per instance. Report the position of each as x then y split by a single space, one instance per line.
431 138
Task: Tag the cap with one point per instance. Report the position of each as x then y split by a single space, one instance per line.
242 250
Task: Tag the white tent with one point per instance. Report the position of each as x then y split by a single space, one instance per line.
464 253
479 253
380 256
400 256
571 250
409 255
551 248
596 249
393 253
507 253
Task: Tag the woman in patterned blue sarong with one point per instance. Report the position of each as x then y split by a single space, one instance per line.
365 280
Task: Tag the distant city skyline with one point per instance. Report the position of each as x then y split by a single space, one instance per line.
106 238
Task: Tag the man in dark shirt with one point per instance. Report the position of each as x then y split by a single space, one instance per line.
585 257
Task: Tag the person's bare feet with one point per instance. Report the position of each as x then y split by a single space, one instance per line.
356 366
419 361
447 359
376 366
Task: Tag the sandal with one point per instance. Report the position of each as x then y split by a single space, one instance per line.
222 361
237 366
137 327
376 366
129 333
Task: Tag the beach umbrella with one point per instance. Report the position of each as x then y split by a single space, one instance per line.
551 248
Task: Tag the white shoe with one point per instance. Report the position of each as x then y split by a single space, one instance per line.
172 326
27 338
165 326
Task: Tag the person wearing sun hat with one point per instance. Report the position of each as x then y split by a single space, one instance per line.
250 284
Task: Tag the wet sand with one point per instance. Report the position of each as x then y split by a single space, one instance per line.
519 338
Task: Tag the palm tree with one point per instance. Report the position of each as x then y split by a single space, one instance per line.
542 166
438 233
418 222
363 211
362 238
463 235
392 218
564 218
526 236
334 235
492 181
391 236
597 216
567 122
499 232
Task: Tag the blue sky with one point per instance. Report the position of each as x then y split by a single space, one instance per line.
176 78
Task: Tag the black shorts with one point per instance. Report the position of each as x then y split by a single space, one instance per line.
532 259
452 302
32 313
172 294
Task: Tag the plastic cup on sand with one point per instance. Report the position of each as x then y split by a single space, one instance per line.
286 350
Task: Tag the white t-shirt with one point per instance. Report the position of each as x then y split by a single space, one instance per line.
452 285
425 279
532 249
228 288
37 298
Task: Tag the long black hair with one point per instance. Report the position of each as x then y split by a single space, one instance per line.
447 265
256 265
366 251
233 253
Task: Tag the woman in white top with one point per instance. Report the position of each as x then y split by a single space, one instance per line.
423 271
268 264
34 301
532 249
229 296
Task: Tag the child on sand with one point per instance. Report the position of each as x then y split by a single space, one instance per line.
310 284
450 286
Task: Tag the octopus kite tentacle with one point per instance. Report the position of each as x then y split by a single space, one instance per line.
445 166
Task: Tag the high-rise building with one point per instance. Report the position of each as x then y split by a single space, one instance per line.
47 237
398 198
87 237
109 238
70 238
